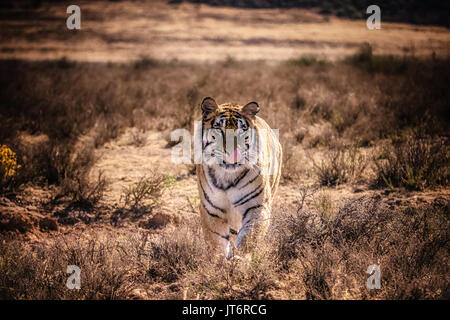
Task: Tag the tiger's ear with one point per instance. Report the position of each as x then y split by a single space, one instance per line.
251 109
208 105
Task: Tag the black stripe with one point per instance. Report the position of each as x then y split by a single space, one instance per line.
227 237
235 183
209 201
247 211
211 214
207 144
253 179
212 175
237 115
248 194
252 197
206 117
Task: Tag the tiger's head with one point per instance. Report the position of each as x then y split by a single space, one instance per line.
228 134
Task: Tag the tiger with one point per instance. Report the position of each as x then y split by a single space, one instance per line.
238 179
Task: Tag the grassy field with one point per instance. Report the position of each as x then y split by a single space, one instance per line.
120 31
85 178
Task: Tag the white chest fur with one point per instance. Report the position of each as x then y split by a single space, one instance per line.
227 188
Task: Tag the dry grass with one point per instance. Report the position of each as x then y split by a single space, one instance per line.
39 272
329 256
306 255
340 165
414 162
319 251
124 31
148 190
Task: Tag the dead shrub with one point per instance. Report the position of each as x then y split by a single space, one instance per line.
250 277
146 62
38 161
39 271
84 193
75 182
149 190
329 259
173 255
414 163
138 138
325 205
340 165
290 171
371 63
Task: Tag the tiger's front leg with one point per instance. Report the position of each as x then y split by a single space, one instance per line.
216 233
255 222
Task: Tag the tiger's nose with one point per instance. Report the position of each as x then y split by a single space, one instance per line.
234 157
234 139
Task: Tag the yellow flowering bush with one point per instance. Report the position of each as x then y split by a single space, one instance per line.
8 166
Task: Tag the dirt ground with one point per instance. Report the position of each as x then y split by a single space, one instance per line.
124 164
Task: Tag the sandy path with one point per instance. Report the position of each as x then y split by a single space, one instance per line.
124 162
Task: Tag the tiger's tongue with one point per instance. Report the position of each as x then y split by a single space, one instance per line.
234 157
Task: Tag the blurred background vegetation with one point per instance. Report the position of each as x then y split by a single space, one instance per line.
432 12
